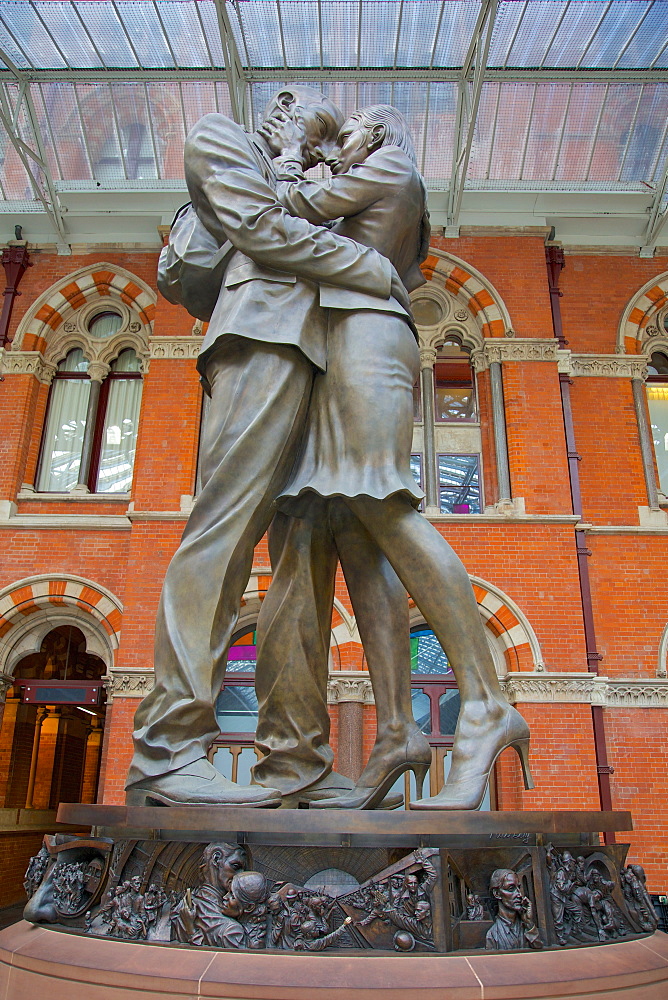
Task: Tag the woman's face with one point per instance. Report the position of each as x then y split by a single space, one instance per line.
353 147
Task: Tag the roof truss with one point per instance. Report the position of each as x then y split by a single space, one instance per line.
32 157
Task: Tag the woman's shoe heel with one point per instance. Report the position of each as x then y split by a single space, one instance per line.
522 749
420 771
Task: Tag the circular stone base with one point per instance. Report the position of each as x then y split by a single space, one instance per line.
40 962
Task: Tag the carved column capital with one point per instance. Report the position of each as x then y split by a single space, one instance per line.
6 681
349 685
427 357
97 371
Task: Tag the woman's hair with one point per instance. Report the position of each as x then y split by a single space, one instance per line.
397 132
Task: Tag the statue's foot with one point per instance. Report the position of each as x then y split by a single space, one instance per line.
391 757
330 789
478 742
199 784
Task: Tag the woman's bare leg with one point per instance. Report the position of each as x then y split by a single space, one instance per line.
437 581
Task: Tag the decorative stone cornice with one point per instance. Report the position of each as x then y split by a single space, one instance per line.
515 349
27 363
169 348
603 365
349 685
6 681
128 683
586 689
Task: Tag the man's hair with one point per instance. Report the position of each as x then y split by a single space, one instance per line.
397 132
308 97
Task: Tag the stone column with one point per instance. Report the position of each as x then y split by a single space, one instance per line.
350 690
91 766
500 435
646 443
430 472
97 372
45 753
39 719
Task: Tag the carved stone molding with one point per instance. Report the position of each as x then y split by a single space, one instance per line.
174 347
6 681
128 683
543 687
27 363
587 689
349 685
607 365
515 349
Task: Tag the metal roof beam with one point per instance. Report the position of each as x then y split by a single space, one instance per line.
467 106
30 157
234 71
658 216
342 74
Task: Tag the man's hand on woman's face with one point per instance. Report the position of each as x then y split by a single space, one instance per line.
285 136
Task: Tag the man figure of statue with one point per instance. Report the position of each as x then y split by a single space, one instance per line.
266 338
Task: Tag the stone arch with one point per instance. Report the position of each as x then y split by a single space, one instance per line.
32 607
514 643
472 307
58 319
637 332
344 626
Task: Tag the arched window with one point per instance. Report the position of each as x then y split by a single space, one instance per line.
233 752
90 432
63 436
436 701
454 394
657 399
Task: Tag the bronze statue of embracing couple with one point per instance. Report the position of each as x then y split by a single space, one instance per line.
309 359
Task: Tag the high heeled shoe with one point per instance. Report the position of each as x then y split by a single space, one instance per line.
414 755
468 793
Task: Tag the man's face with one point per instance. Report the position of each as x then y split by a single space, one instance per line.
411 883
352 147
320 130
510 893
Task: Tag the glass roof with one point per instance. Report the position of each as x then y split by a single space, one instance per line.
574 93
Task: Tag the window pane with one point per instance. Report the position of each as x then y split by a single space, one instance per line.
104 325
236 709
657 397
119 437
454 402
417 401
63 435
74 362
448 712
427 656
242 655
422 710
459 484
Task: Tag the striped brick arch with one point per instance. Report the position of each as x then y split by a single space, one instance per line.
471 289
640 314
93 283
29 597
513 635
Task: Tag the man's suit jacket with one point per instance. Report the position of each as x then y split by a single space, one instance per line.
270 287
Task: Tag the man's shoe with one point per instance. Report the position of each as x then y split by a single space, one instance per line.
199 784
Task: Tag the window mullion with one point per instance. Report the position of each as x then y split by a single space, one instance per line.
96 372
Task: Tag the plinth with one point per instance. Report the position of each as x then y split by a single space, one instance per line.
289 904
